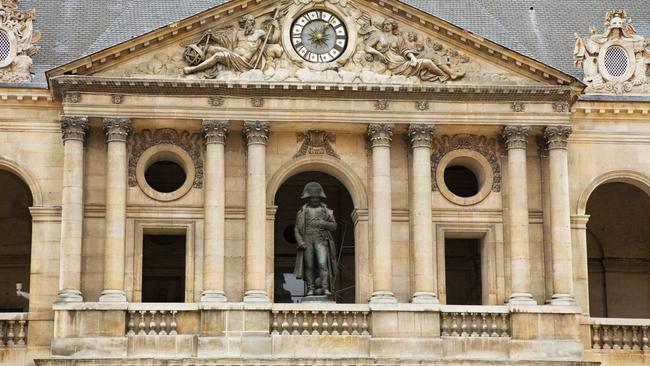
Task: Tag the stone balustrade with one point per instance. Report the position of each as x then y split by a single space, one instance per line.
156 319
474 321
292 319
620 334
13 330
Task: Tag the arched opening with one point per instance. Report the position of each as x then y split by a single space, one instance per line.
618 248
288 199
15 241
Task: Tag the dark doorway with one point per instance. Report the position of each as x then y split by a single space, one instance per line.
618 248
15 241
463 271
287 287
163 268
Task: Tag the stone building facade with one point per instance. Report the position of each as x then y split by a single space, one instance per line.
491 202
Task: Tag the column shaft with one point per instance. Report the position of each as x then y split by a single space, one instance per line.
380 138
117 133
216 133
74 130
560 215
421 140
516 139
257 134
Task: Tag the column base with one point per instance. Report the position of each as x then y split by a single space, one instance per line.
67 295
383 297
425 298
256 296
112 296
522 298
563 300
213 296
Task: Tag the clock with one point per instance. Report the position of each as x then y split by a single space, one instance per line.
319 36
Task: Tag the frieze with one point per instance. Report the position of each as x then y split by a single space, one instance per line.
190 142
488 147
17 42
316 142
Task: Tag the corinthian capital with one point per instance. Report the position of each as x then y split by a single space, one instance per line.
380 134
256 132
117 129
557 136
215 131
74 128
515 137
421 135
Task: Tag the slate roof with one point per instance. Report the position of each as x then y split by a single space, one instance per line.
540 29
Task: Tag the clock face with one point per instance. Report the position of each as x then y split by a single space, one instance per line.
319 36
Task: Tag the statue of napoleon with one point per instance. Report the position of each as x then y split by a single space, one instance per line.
316 258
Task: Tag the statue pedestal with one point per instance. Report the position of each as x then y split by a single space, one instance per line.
317 298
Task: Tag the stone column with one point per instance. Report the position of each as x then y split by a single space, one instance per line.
516 140
382 272
257 135
556 138
117 133
214 221
74 131
421 140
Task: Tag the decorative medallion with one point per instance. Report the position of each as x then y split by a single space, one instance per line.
319 36
316 142
190 142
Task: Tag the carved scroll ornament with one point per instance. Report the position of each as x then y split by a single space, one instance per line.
17 42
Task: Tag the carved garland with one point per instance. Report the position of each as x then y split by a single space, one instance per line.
488 147
190 142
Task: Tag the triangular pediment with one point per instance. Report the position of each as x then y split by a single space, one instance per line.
316 41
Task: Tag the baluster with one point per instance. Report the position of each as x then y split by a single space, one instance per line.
626 340
173 325
285 323
355 324
365 329
444 325
606 339
305 323
325 325
595 336
463 325
616 340
21 333
2 334
152 323
484 326
504 325
474 326
141 324
10 333
335 323
130 330
163 323
454 324
314 323
635 338
644 338
345 325
295 326
494 326
274 323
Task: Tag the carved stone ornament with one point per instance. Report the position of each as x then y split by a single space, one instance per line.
515 137
420 135
117 98
616 60
557 137
216 132
17 42
518 107
216 100
257 102
316 142
256 132
117 129
488 147
72 97
381 105
380 134
74 128
190 142
422 105
561 107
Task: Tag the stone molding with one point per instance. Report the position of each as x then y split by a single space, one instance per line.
316 142
145 139
487 147
515 137
557 136
117 129
420 135
380 134
215 131
74 128
257 132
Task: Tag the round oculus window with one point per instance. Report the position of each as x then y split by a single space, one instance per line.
616 61
5 46
165 176
461 181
